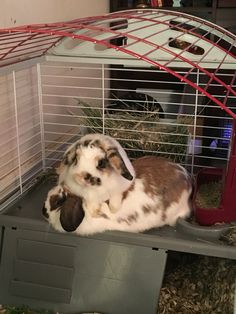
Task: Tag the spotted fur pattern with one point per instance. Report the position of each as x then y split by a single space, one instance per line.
93 168
159 195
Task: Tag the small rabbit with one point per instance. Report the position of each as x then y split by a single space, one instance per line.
97 169
158 196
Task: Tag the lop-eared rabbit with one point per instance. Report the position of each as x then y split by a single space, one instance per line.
99 189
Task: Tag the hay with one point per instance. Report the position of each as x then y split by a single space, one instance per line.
209 195
26 310
22 310
205 285
141 132
229 237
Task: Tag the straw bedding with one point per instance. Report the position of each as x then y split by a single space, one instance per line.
202 285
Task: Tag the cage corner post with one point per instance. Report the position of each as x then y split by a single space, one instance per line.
229 194
103 99
40 100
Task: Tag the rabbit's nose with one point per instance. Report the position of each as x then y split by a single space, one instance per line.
95 181
92 180
87 176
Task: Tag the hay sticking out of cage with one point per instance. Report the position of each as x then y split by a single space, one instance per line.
205 285
209 195
141 132
229 237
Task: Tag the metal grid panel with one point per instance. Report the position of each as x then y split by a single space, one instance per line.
157 37
63 85
21 145
148 111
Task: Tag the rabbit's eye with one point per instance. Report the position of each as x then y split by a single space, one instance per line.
102 163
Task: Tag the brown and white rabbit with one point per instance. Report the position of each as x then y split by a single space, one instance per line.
158 196
97 169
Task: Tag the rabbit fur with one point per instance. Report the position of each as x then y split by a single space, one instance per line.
158 195
97 169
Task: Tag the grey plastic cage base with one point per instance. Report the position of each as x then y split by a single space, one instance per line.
113 272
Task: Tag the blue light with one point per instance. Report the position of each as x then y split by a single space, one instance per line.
227 131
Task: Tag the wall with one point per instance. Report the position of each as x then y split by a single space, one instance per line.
20 12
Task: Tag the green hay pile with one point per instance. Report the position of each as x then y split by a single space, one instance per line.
209 195
144 133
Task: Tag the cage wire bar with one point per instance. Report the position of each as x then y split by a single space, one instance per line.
147 77
20 152
92 107
22 43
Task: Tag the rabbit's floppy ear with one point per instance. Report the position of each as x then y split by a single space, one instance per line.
117 163
72 213
70 155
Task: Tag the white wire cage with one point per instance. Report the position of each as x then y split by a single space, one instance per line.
146 112
160 82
